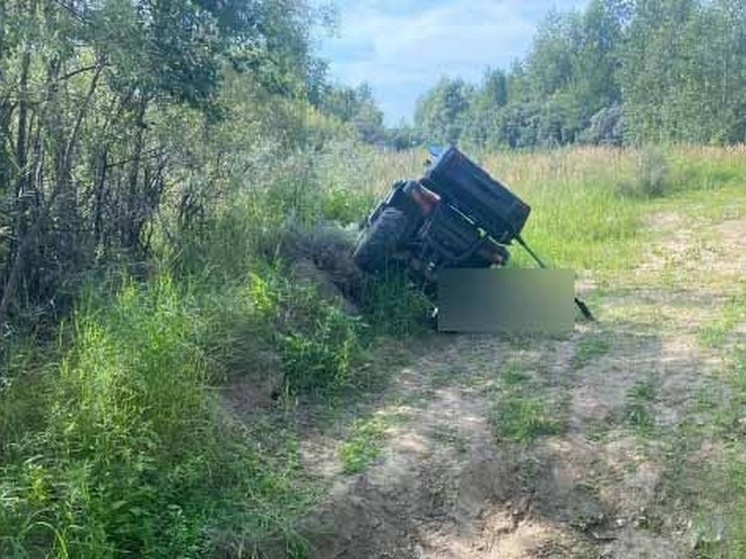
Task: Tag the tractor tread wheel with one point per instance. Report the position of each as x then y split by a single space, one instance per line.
380 241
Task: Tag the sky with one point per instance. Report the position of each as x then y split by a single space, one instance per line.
403 47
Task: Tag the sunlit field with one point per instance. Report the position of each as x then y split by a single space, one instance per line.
588 203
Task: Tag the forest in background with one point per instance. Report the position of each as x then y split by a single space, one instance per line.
618 73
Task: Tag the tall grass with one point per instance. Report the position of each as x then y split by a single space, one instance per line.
127 452
589 203
114 442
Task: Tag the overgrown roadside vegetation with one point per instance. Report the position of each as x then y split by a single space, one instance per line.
177 205
161 184
114 438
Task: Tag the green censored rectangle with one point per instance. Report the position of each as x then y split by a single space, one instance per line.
501 300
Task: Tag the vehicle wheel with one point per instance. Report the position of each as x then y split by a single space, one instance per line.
376 249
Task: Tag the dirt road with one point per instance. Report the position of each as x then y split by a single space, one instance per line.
592 446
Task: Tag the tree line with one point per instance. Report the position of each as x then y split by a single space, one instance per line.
618 72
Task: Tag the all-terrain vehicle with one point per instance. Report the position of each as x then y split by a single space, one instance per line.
455 215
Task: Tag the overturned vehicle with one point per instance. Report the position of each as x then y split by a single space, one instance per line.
455 215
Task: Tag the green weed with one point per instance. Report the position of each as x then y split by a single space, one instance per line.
392 306
590 348
325 357
364 446
522 412
716 333
131 454
637 411
523 418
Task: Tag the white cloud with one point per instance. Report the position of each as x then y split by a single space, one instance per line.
402 48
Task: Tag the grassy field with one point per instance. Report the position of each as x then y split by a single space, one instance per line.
174 418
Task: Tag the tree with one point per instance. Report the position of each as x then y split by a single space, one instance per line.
441 115
355 106
92 93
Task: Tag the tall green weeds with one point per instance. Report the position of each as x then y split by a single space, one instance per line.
130 454
114 440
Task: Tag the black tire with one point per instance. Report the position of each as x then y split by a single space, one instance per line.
375 251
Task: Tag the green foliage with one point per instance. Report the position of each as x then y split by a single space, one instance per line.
646 72
638 412
356 107
364 445
131 454
578 224
683 72
116 443
523 418
718 331
321 350
140 113
441 115
521 411
736 476
157 164
392 306
345 205
708 172
605 127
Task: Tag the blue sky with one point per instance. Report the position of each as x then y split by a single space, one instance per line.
402 47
